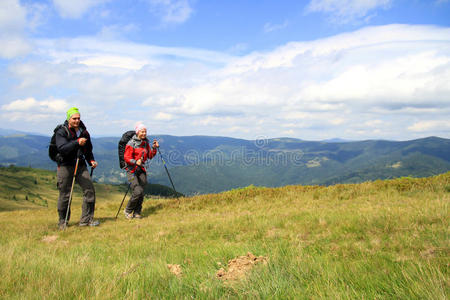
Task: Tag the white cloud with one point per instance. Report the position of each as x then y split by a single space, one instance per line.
12 26
373 123
364 84
74 9
430 125
20 105
269 27
117 32
345 11
12 16
172 11
238 48
33 115
327 51
13 47
162 116
81 48
54 105
367 69
394 78
237 129
296 114
337 121
31 105
112 61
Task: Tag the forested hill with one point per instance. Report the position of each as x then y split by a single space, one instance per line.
202 164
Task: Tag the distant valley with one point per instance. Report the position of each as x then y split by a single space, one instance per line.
207 164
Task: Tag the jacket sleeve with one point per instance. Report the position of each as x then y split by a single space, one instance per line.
64 144
87 148
129 155
151 152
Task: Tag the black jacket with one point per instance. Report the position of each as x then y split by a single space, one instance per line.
68 146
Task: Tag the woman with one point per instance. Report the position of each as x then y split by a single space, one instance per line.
137 151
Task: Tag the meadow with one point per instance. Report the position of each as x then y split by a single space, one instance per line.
375 240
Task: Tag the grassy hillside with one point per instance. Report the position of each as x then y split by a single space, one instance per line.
375 240
26 188
35 188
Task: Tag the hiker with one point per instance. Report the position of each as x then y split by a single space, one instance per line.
137 151
72 140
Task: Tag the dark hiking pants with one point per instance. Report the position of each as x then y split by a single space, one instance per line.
65 177
138 183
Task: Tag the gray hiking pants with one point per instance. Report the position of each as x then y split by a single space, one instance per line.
65 177
138 183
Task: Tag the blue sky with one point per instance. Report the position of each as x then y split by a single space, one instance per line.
315 69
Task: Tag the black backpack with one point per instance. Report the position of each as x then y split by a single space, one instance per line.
121 147
52 149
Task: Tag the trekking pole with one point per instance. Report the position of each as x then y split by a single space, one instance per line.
129 185
168 174
71 189
92 171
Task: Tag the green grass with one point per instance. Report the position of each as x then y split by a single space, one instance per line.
28 188
375 240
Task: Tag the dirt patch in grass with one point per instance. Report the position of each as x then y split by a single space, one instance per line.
49 238
429 252
239 267
175 269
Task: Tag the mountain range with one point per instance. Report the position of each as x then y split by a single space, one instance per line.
207 164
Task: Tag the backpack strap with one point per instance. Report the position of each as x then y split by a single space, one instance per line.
65 129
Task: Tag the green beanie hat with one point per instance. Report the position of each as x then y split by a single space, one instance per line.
72 111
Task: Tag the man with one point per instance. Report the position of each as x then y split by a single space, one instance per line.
137 151
73 141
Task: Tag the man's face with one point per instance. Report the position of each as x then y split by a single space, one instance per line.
74 121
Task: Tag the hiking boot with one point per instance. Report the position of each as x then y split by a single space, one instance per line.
90 223
137 216
129 216
62 225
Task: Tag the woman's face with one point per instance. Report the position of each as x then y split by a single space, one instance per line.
142 134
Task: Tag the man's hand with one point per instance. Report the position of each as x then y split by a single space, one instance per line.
139 162
155 144
94 164
82 141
